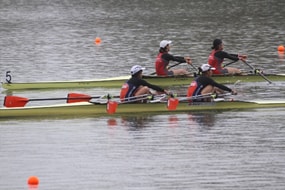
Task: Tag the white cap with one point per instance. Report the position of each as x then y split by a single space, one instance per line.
164 43
135 69
207 67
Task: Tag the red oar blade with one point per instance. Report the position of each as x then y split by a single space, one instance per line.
76 97
172 103
15 101
112 107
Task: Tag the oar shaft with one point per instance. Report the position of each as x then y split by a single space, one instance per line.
140 97
174 65
194 67
208 95
197 97
71 98
258 72
230 63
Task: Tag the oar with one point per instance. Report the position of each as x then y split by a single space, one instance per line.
193 67
78 97
229 63
258 72
195 74
17 101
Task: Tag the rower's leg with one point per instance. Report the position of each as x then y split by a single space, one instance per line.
208 89
180 72
233 71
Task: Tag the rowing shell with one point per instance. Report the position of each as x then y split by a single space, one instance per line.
116 82
87 109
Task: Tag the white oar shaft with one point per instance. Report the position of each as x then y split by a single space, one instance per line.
197 97
258 72
209 95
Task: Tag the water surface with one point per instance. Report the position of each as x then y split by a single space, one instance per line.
54 40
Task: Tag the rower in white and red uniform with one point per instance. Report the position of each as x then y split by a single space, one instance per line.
163 58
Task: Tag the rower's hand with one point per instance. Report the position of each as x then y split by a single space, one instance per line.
242 57
188 60
234 92
167 92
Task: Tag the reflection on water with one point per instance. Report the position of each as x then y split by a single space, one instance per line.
281 57
137 122
205 120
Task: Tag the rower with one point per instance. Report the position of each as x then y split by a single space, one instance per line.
204 84
136 86
163 58
217 57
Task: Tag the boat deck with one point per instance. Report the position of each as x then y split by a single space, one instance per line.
91 109
116 82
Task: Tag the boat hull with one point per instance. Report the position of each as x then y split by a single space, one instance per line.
87 109
117 82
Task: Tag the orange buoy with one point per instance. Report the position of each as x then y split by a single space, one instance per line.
33 180
97 41
281 48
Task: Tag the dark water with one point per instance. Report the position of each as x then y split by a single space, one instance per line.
54 40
